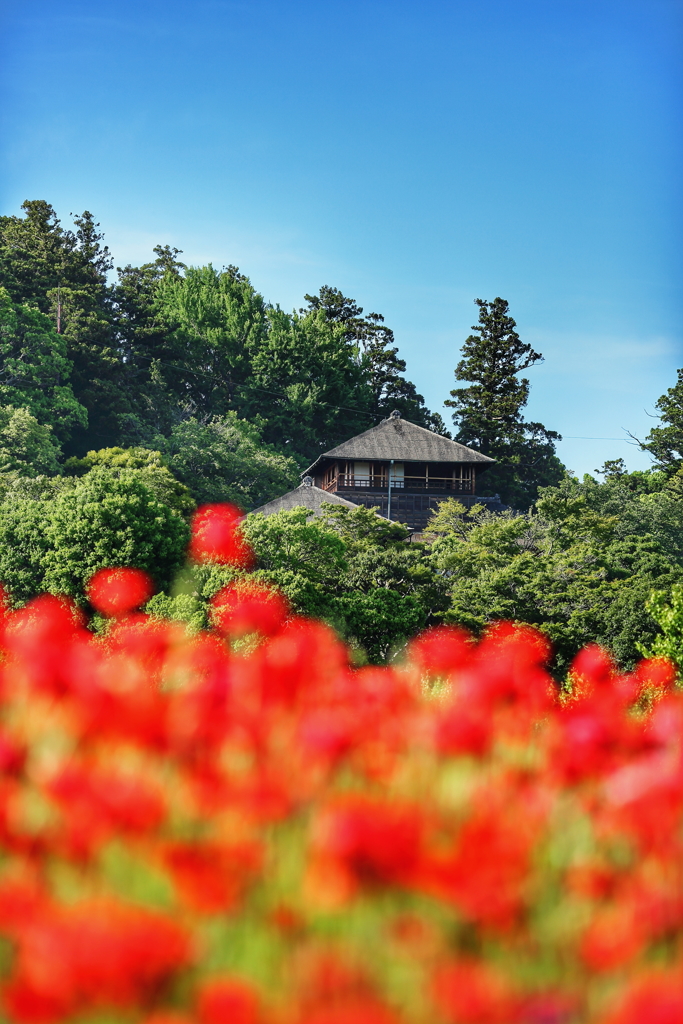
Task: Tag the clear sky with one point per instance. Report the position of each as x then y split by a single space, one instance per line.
415 155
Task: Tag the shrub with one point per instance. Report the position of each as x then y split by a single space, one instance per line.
23 546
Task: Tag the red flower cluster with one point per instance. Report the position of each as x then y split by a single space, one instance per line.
216 536
199 830
118 591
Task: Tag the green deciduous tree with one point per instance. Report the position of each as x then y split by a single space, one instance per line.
488 414
111 518
293 540
307 384
27 447
378 621
667 611
581 567
149 466
215 321
226 460
23 546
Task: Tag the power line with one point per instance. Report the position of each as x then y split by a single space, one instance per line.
330 405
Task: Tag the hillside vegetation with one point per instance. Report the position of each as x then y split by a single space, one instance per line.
128 399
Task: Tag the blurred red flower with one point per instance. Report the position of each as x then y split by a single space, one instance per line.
363 846
216 536
227 1001
473 992
248 607
118 591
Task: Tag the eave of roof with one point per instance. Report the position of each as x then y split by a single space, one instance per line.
403 441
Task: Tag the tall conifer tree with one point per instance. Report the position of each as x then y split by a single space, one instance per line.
665 442
488 414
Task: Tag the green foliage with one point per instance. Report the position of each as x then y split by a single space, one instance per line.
187 599
452 517
37 255
111 518
351 568
581 566
300 555
149 467
382 366
16 487
35 369
389 588
148 349
667 611
214 322
226 460
63 274
379 620
309 379
665 443
23 547
488 413
362 528
635 504
26 446
26 504
187 608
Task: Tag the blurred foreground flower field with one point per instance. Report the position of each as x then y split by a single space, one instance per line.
239 827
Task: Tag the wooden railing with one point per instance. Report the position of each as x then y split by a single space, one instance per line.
348 481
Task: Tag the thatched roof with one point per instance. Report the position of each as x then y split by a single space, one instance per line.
403 441
306 494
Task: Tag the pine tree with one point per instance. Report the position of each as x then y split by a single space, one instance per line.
665 442
63 273
488 414
378 355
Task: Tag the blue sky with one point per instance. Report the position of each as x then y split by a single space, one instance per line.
415 155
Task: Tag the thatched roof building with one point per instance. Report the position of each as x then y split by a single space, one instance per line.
397 467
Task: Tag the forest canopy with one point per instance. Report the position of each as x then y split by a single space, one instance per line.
121 360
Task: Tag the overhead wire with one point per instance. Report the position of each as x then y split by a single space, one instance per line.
329 405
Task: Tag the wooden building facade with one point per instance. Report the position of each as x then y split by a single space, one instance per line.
402 469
